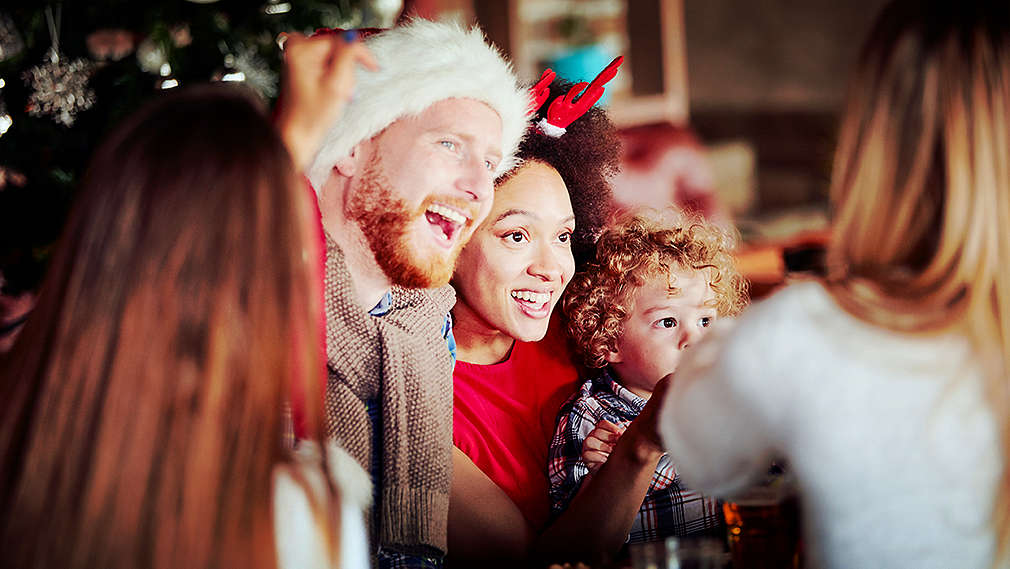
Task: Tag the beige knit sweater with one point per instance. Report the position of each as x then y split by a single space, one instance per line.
401 361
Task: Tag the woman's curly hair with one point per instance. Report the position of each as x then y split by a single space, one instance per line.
586 157
641 245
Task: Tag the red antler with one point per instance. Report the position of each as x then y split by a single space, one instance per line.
566 109
542 89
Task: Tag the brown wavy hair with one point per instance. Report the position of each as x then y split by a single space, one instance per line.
921 189
141 410
587 156
640 245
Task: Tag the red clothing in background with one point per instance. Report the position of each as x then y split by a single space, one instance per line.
298 401
504 417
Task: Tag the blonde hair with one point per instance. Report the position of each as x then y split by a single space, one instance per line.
640 245
141 411
921 188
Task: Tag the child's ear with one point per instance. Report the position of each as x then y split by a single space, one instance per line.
613 357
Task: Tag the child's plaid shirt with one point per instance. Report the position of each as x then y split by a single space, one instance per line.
669 509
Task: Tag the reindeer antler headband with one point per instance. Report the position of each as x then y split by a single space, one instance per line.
565 109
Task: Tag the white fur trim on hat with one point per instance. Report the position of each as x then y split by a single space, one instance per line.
422 63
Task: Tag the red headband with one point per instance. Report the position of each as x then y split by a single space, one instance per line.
564 110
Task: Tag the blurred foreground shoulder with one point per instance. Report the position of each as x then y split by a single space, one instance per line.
299 544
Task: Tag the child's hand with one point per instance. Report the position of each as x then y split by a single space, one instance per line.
644 430
599 444
318 83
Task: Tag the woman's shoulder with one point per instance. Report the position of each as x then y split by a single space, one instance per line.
300 541
806 315
756 352
803 296
299 487
350 479
793 315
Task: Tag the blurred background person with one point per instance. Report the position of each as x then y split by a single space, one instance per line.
664 165
142 408
884 385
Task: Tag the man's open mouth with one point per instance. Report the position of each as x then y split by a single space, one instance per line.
447 220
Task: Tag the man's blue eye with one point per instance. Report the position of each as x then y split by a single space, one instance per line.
448 144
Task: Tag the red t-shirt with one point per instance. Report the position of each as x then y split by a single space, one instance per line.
504 417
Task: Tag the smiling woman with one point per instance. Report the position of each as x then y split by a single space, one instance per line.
512 374
513 271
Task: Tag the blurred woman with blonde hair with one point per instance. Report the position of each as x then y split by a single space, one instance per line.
885 386
142 409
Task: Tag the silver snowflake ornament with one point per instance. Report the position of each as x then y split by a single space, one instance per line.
60 89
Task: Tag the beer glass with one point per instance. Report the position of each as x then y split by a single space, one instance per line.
763 528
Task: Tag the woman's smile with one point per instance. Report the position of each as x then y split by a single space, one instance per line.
533 304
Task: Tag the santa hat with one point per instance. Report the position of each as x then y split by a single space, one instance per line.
422 63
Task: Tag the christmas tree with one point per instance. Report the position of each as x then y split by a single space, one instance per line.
70 71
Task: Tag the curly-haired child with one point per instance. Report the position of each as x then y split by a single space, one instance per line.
659 280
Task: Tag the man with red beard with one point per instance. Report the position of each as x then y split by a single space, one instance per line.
403 179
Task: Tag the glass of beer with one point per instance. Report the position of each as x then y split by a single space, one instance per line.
763 528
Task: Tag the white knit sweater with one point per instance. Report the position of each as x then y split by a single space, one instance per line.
889 436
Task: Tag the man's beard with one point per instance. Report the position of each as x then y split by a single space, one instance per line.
385 221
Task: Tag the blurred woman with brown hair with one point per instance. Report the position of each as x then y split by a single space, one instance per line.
886 385
141 410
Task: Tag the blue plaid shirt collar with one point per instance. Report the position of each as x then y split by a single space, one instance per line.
624 402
